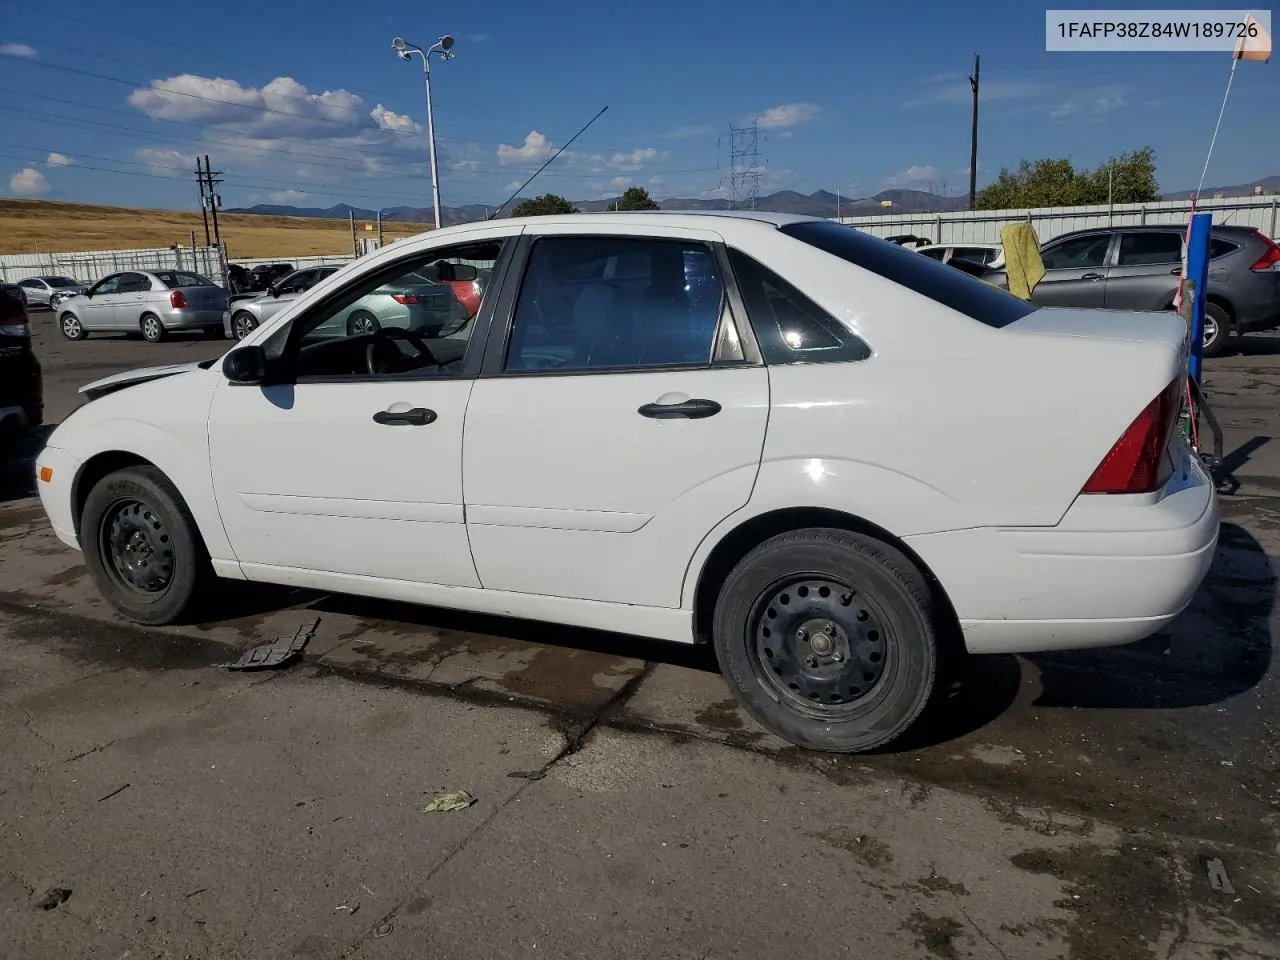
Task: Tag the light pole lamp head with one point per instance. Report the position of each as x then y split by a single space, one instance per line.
446 43
401 48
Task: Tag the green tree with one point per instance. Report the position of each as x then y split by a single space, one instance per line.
545 205
1127 177
635 198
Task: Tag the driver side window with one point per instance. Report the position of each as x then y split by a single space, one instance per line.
109 285
409 320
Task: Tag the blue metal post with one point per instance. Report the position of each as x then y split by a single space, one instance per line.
1198 273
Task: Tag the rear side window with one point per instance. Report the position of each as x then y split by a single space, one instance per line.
182 278
1139 249
952 288
789 326
1220 248
1077 253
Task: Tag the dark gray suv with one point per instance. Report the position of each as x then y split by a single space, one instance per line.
1137 268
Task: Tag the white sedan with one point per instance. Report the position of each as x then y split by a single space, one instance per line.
834 459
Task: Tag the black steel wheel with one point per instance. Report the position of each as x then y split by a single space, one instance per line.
137 546
828 638
142 547
820 644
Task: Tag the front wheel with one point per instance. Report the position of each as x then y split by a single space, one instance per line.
142 547
827 637
152 329
243 324
71 327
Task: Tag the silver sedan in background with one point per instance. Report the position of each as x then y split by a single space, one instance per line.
246 314
48 291
152 303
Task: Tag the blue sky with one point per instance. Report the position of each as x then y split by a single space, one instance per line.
313 108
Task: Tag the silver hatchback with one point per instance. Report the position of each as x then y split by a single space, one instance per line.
152 303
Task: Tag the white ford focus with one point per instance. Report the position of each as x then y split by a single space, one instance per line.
833 458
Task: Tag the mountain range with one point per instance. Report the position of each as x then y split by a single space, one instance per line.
821 203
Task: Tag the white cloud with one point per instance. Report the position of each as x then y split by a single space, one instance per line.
465 166
1089 105
620 182
282 107
513 185
536 147
394 122
17 50
287 196
786 115
476 37
28 182
167 161
916 175
59 160
786 134
635 159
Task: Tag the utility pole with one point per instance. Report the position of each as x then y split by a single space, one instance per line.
212 179
204 210
379 228
974 80
355 247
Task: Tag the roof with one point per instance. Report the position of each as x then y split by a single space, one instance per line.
686 218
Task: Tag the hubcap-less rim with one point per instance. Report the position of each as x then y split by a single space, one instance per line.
151 328
137 547
362 325
71 327
819 644
1210 329
243 326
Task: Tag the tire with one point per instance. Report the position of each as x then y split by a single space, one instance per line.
828 639
171 570
362 322
152 329
243 324
71 327
1217 326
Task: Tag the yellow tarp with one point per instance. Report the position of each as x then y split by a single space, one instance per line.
1022 262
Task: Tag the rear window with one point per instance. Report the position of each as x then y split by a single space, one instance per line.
952 288
181 278
60 282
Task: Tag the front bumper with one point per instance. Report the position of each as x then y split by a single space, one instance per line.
1114 570
57 493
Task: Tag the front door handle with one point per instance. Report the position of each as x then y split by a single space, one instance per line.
417 417
1091 276
685 410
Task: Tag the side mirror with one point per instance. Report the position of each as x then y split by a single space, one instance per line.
245 365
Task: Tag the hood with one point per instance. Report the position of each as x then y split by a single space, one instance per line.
118 381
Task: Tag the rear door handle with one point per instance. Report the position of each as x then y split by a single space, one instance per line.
417 417
1091 276
685 410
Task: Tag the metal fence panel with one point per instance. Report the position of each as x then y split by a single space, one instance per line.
92 265
983 226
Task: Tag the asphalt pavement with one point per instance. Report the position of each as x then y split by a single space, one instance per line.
1121 803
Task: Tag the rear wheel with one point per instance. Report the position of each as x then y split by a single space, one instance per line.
362 322
142 547
1217 324
71 327
152 329
827 637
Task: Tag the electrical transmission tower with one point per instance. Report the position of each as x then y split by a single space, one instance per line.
744 166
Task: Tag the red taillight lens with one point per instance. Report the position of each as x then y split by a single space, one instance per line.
1137 463
404 298
1269 260
178 300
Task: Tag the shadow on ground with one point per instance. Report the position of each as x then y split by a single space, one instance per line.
17 465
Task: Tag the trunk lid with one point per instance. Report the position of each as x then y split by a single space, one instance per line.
1164 327
205 298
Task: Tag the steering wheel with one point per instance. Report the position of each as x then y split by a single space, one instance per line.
383 334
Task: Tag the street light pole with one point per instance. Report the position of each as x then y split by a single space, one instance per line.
444 47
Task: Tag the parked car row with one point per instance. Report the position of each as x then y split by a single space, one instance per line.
1138 268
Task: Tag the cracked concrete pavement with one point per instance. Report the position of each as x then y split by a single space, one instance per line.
1058 806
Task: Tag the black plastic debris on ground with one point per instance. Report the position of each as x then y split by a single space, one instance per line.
53 897
278 653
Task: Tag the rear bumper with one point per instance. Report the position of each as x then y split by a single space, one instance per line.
192 319
1115 570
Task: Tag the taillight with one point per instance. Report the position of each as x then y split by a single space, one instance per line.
1270 260
1137 463
14 330
178 300
403 298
